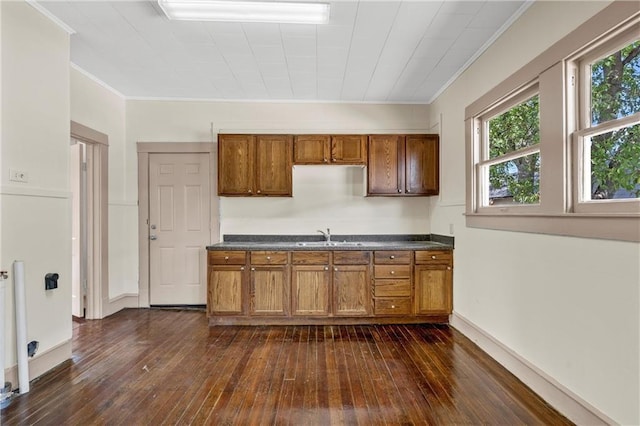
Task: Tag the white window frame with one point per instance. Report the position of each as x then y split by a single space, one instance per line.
560 146
579 69
484 162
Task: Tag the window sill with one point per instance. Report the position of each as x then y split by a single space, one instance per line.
619 227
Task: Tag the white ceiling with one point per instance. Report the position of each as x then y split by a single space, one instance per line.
371 51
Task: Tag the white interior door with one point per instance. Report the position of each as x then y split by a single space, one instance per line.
78 239
179 218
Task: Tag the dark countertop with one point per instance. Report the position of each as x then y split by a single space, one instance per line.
338 242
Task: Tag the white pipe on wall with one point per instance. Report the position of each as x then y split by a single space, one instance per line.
2 348
21 326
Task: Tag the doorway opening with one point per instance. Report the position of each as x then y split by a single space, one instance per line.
88 179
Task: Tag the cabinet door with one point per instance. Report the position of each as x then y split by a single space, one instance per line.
348 149
224 293
236 164
351 290
433 290
386 168
310 290
269 289
421 165
311 149
274 154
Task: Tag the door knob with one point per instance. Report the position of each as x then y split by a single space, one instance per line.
153 227
153 237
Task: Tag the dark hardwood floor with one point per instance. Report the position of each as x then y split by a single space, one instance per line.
142 367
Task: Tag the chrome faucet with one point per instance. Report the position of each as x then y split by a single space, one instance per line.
326 235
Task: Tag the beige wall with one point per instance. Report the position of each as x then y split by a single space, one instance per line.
35 216
569 306
101 109
329 196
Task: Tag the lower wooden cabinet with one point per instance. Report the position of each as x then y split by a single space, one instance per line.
225 293
310 290
301 286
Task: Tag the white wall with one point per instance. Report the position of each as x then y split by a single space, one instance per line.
35 216
569 306
102 109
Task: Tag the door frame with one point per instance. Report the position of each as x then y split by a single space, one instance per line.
97 218
144 149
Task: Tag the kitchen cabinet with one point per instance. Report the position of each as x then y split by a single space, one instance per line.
329 286
351 285
225 283
330 149
392 283
403 165
255 165
433 277
269 283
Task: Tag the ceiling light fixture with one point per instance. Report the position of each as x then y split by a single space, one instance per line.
246 11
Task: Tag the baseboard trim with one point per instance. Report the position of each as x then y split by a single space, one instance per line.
118 303
562 399
41 363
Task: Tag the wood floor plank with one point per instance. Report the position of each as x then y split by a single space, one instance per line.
149 366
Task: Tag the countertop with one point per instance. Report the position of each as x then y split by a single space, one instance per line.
338 242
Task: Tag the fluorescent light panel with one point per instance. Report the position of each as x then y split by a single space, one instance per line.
246 11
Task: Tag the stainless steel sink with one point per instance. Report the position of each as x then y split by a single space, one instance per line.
329 244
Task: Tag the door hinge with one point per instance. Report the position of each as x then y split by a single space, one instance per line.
84 167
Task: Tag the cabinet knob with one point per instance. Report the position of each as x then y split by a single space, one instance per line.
335 269
393 272
253 269
399 191
226 258
258 191
333 159
448 268
408 190
326 268
392 257
393 306
249 191
268 257
242 268
325 160
433 257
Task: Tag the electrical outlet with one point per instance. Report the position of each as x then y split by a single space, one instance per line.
18 176
451 229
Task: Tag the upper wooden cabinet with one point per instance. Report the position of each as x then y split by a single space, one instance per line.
403 165
255 165
330 149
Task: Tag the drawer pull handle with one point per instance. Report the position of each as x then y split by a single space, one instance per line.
392 257
433 257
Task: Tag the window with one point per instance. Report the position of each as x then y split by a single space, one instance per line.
555 147
509 170
608 134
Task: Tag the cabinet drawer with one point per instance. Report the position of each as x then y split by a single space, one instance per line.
435 257
392 271
392 257
351 257
310 257
392 288
392 306
227 257
268 257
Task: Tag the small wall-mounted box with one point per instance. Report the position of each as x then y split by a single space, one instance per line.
51 281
